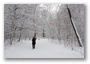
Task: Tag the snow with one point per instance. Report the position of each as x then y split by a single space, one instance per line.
44 49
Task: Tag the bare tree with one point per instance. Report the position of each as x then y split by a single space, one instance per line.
76 33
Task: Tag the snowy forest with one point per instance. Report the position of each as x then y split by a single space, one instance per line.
59 30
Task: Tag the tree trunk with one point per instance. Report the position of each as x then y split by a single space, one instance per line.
10 39
19 38
43 33
78 38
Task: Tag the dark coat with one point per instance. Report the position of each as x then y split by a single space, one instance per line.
34 40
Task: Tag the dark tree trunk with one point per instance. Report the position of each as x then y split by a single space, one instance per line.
43 33
19 38
74 27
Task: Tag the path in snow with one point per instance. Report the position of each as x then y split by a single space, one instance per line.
44 49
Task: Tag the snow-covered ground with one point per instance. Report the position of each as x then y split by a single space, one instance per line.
44 49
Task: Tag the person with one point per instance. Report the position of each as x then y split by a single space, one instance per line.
33 42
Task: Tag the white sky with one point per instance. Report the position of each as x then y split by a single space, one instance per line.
53 8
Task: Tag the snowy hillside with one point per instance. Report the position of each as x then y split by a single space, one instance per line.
44 49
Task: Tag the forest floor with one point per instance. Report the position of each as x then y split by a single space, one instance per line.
44 49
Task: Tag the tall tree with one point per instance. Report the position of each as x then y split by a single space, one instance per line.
73 25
